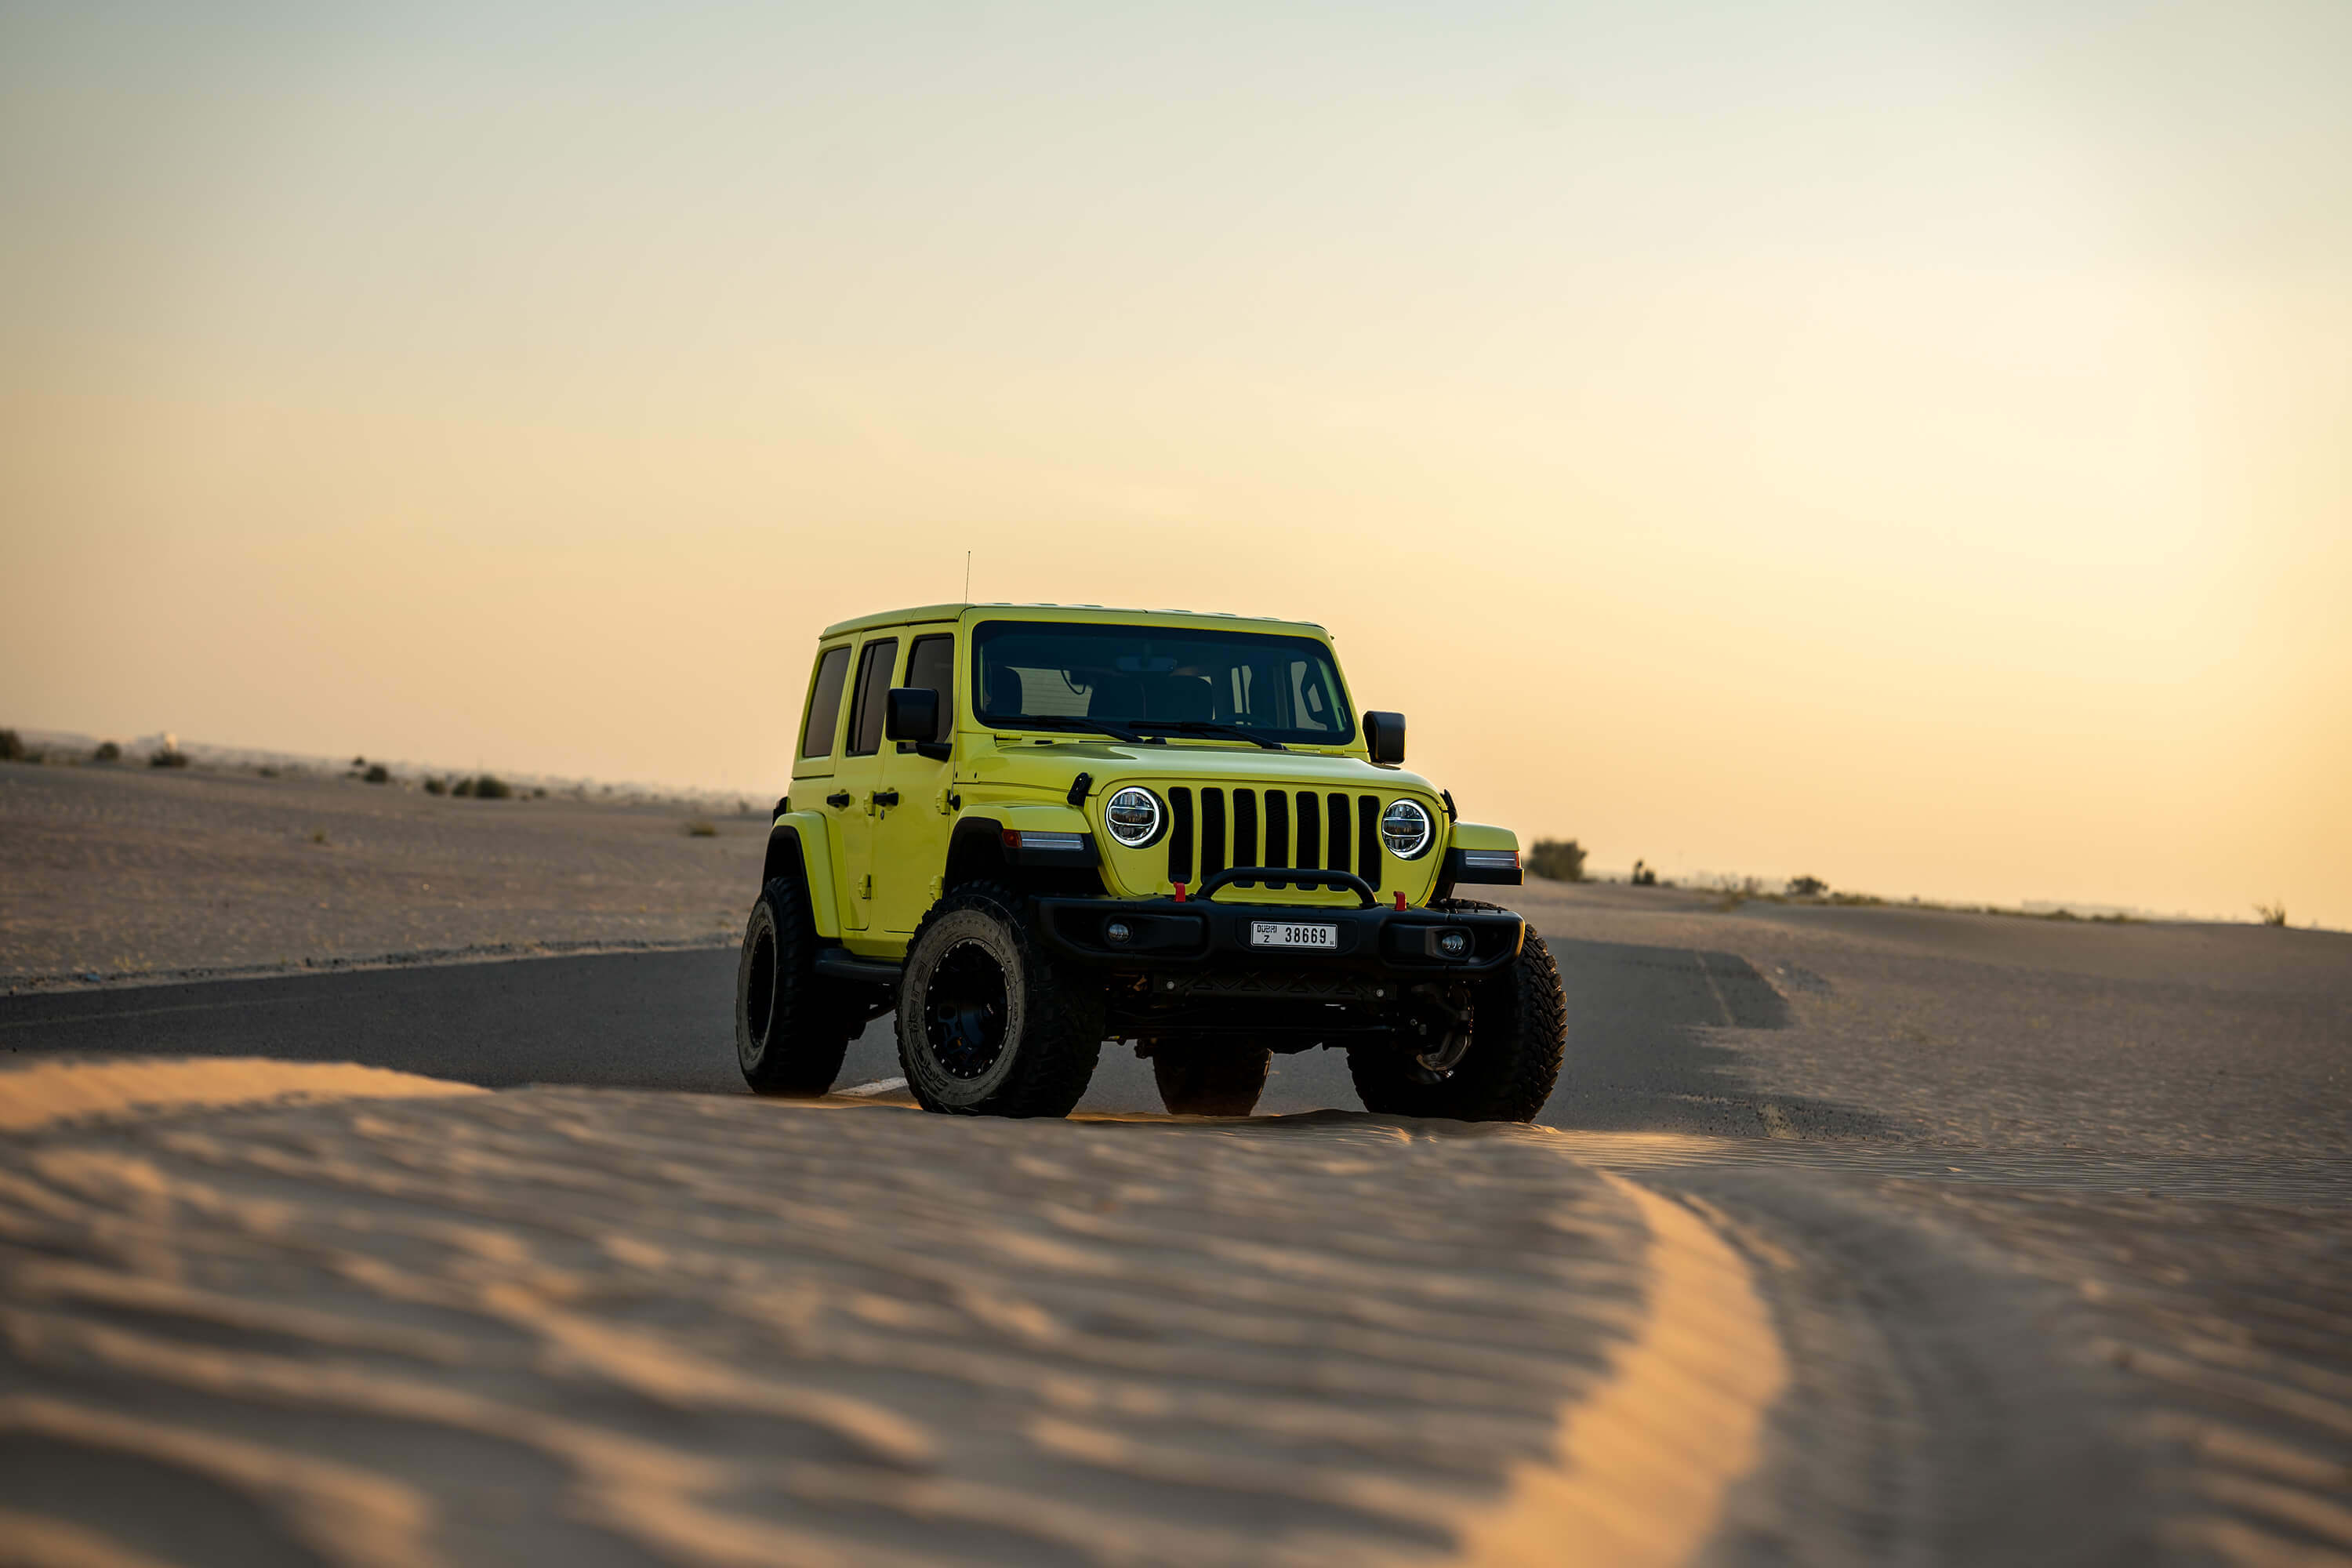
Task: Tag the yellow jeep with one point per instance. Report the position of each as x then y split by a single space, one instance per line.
1029 828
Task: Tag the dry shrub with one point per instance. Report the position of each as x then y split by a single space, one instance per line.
2271 914
1557 859
698 828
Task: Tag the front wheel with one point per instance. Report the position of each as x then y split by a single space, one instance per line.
1519 1033
987 1026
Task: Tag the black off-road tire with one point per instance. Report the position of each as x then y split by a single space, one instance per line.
793 1026
1210 1076
1024 1044
1518 1036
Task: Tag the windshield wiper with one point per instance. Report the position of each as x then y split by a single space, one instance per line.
1208 727
1065 721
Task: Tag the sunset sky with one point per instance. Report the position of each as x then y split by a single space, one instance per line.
1907 443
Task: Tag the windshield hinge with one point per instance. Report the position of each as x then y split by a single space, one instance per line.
1079 787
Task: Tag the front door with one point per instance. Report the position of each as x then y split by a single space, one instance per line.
849 795
913 835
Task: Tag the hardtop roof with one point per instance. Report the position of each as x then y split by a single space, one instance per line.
1063 612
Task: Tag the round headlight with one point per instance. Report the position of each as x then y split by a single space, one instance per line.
1134 816
1404 828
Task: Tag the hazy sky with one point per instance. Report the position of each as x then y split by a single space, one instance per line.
1907 444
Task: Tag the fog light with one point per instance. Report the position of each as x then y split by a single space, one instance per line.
1453 944
1119 932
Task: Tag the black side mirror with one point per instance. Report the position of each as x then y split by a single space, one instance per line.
912 713
1383 737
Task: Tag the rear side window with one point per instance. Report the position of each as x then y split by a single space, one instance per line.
932 663
873 663
824 702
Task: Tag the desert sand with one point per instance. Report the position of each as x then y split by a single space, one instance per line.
130 874
564 1326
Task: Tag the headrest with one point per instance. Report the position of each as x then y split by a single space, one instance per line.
1181 697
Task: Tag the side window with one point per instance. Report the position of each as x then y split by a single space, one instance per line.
931 662
873 664
824 702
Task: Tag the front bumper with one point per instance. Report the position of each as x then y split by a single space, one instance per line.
1195 933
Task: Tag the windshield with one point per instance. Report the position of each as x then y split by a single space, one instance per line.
1161 680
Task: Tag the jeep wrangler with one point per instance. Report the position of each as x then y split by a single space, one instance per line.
1029 829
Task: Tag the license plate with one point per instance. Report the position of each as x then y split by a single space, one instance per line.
1282 934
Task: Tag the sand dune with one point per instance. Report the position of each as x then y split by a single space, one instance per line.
572 1326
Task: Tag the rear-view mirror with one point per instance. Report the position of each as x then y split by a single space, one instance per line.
1383 737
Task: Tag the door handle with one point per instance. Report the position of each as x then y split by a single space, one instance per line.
837 800
886 797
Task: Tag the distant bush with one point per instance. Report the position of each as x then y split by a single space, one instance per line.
1807 887
108 752
1737 890
12 746
436 786
1557 859
1642 875
490 786
698 828
378 774
169 757
2271 914
539 793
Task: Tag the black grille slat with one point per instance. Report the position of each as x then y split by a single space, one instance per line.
1245 827
1336 858
1367 839
1179 836
1278 830
1310 830
1212 833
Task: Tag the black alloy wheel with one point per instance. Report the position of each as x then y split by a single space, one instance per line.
987 1026
964 1011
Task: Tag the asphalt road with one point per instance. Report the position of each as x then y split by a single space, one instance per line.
662 1020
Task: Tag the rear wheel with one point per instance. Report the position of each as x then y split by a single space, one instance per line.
987 1026
1518 1035
1210 1076
793 1026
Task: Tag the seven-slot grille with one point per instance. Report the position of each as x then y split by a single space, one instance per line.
1210 829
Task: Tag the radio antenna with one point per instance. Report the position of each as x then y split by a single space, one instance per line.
967 576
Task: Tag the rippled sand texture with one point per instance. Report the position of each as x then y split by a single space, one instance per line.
587 1327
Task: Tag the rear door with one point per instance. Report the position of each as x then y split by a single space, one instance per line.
913 835
849 801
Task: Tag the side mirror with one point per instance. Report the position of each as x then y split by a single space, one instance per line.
912 713
1384 737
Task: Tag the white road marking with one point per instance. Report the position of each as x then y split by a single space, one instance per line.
879 1085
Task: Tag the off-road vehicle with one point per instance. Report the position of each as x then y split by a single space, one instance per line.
1029 829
